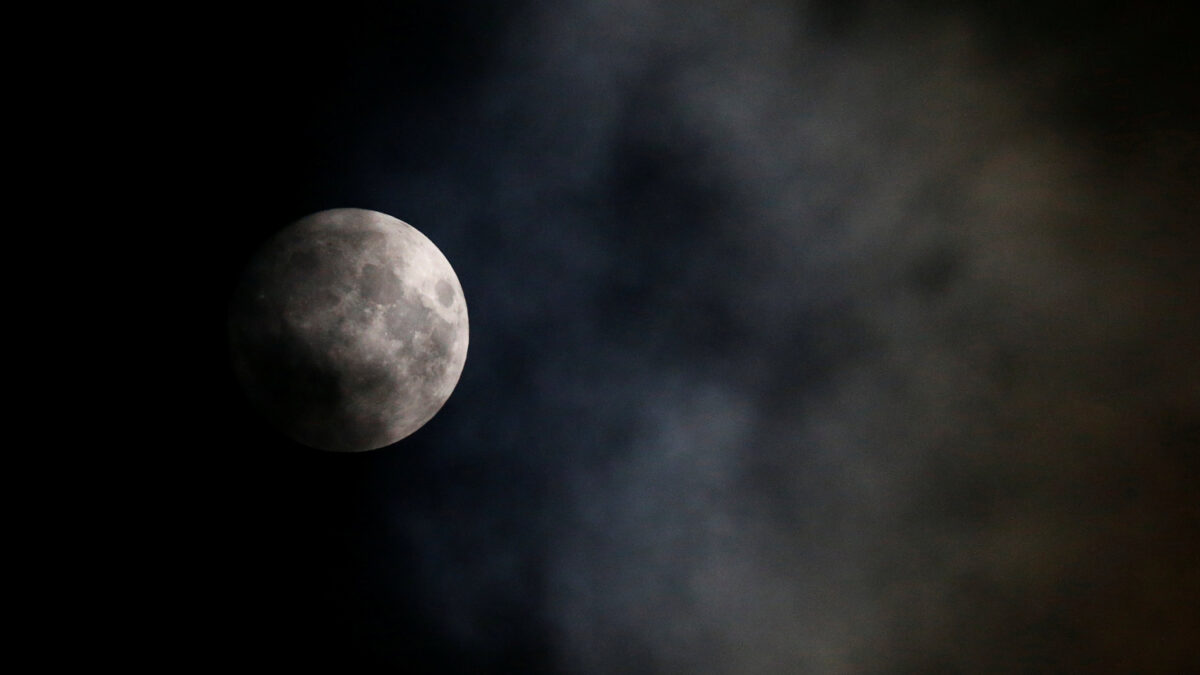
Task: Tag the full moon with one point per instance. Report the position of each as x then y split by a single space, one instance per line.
348 330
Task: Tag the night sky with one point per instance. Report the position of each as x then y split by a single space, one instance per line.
832 337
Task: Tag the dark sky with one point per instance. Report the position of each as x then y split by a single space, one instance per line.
805 338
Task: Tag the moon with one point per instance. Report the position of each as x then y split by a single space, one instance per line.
348 330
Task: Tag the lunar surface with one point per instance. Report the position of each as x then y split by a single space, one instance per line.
348 330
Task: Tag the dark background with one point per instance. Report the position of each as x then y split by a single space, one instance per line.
826 337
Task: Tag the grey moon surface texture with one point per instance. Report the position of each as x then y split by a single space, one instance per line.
348 330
